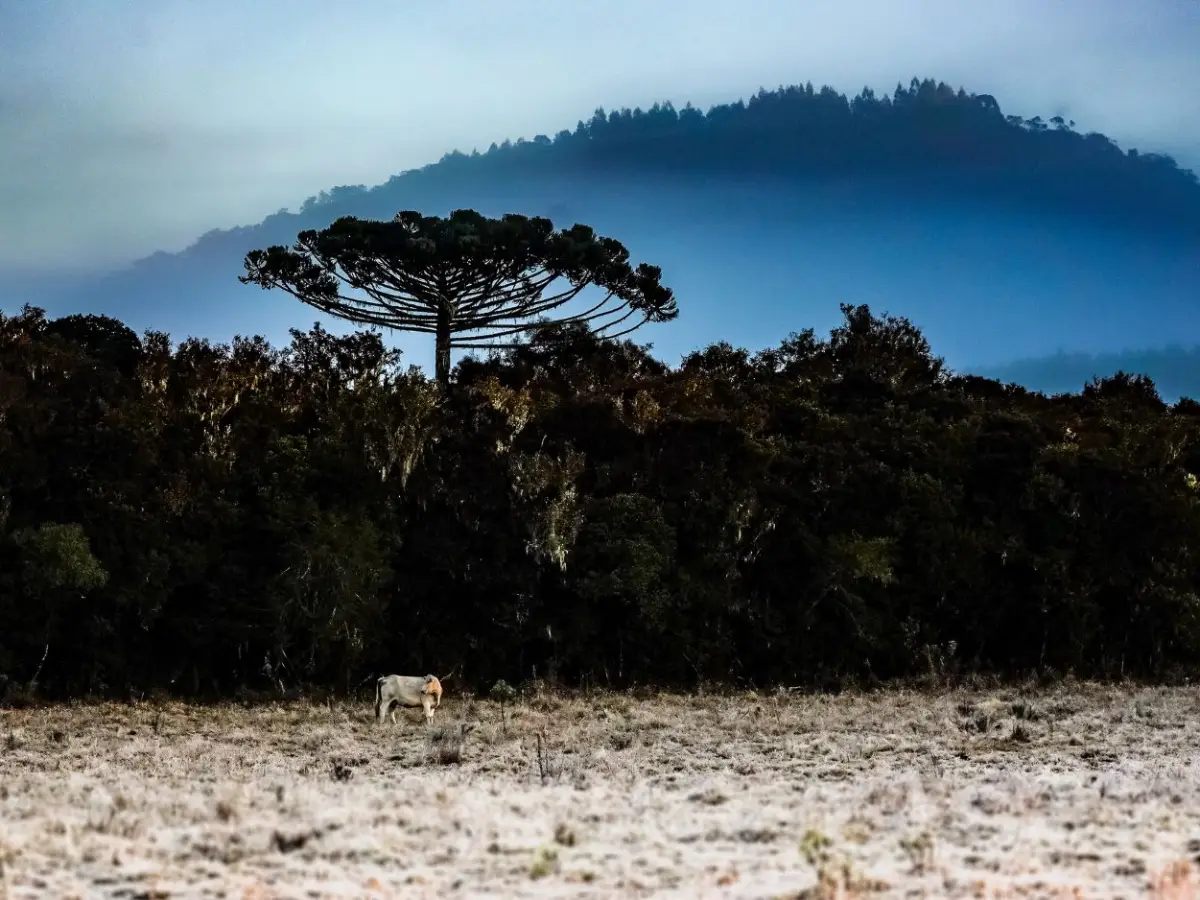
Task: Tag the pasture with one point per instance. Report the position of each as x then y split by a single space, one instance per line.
1074 791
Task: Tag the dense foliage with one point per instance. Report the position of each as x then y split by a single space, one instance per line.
208 519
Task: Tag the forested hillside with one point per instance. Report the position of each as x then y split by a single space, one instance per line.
925 137
216 519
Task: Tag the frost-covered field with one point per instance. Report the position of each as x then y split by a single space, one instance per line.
1084 791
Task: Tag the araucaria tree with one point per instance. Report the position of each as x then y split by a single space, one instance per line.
471 281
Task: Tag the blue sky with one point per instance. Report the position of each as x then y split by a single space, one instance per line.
129 126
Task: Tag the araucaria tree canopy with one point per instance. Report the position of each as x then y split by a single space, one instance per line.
471 281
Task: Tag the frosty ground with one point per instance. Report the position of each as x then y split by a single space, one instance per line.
1075 791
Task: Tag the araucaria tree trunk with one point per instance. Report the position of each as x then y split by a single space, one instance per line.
442 345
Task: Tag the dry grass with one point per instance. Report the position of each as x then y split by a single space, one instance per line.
1085 791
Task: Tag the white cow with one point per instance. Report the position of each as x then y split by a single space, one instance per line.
407 690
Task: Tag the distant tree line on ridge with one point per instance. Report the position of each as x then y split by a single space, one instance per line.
928 136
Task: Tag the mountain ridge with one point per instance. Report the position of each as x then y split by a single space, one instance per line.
604 132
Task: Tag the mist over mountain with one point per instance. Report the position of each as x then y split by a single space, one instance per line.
1003 238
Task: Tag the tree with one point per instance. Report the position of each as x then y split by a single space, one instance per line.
59 569
101 337
621 577
468 280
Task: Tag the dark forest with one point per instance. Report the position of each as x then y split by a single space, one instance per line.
212 520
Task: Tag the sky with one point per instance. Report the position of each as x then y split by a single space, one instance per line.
130 126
